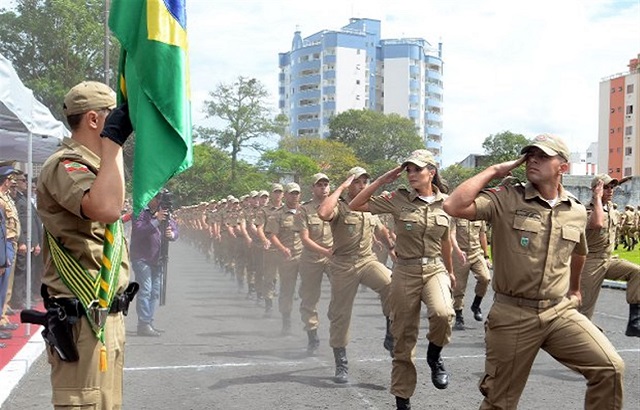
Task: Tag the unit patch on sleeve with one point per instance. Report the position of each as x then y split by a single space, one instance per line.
72 166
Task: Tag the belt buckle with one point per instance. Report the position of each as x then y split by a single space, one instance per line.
98 314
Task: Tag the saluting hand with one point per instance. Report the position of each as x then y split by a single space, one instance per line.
504 169
391 175
347 182
598 189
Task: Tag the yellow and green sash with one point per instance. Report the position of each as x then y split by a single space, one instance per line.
95 293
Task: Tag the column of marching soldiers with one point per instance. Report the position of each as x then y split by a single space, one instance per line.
265 240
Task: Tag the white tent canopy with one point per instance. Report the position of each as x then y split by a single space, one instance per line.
22 114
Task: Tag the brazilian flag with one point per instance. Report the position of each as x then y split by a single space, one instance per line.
154 79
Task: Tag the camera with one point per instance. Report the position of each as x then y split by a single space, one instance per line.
165 200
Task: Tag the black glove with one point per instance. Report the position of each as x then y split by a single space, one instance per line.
117 126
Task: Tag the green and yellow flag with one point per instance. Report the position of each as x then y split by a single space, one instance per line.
154 79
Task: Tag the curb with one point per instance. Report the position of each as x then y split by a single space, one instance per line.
13 372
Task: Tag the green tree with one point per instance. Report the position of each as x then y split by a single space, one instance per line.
455 174
54 45
282 162
242 107
331 157
504 146
375 136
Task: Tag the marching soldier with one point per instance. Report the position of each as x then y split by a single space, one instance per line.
353 262
314 262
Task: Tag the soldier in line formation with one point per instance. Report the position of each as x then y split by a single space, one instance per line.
334 234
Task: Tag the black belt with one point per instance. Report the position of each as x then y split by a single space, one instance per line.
73 306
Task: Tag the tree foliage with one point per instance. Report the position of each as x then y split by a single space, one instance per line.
374 136
332 158
505 146
54 45
242 107
455 174
210 177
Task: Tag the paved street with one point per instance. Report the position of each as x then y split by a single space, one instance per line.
219 352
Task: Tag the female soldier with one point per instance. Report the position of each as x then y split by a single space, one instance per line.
423 270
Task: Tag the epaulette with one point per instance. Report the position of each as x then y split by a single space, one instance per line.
571 196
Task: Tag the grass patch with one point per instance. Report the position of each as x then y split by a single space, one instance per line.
631 256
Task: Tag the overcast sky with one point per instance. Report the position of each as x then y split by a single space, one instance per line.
527 67
524 66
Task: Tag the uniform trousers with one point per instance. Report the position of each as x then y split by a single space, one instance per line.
411 286
596 270
270 269
515 334
241 252
476 264
259 275
311 271
288 273
81 384
346 274
8 274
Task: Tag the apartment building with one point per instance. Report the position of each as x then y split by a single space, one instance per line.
333 71
619 123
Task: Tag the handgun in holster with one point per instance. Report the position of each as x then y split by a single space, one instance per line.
58 329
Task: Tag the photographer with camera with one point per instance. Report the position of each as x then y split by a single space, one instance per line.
149 235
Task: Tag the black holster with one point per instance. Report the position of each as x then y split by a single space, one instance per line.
58 329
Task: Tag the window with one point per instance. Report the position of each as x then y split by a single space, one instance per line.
627 172
610 152
613 110
613 90
620 89
357 82
630 89
629 109
628 130
617 169
628 151
611 131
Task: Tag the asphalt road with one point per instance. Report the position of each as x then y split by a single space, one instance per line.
218 352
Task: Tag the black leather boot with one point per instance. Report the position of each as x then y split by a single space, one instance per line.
342 368
314 342
403 404
439 375
475 308
633 327
459 325
388 338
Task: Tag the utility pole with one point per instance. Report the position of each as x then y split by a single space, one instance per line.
107 4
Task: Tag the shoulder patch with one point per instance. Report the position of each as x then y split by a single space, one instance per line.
495 189
389 195
73 166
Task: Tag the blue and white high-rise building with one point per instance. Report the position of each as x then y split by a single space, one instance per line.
333 71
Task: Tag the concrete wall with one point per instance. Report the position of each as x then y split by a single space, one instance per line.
626 194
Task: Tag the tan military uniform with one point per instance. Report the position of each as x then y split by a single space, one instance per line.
532 244
419 275
282 225
312 264
270 258
13 234
64 179
353 263
468 238
600 266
